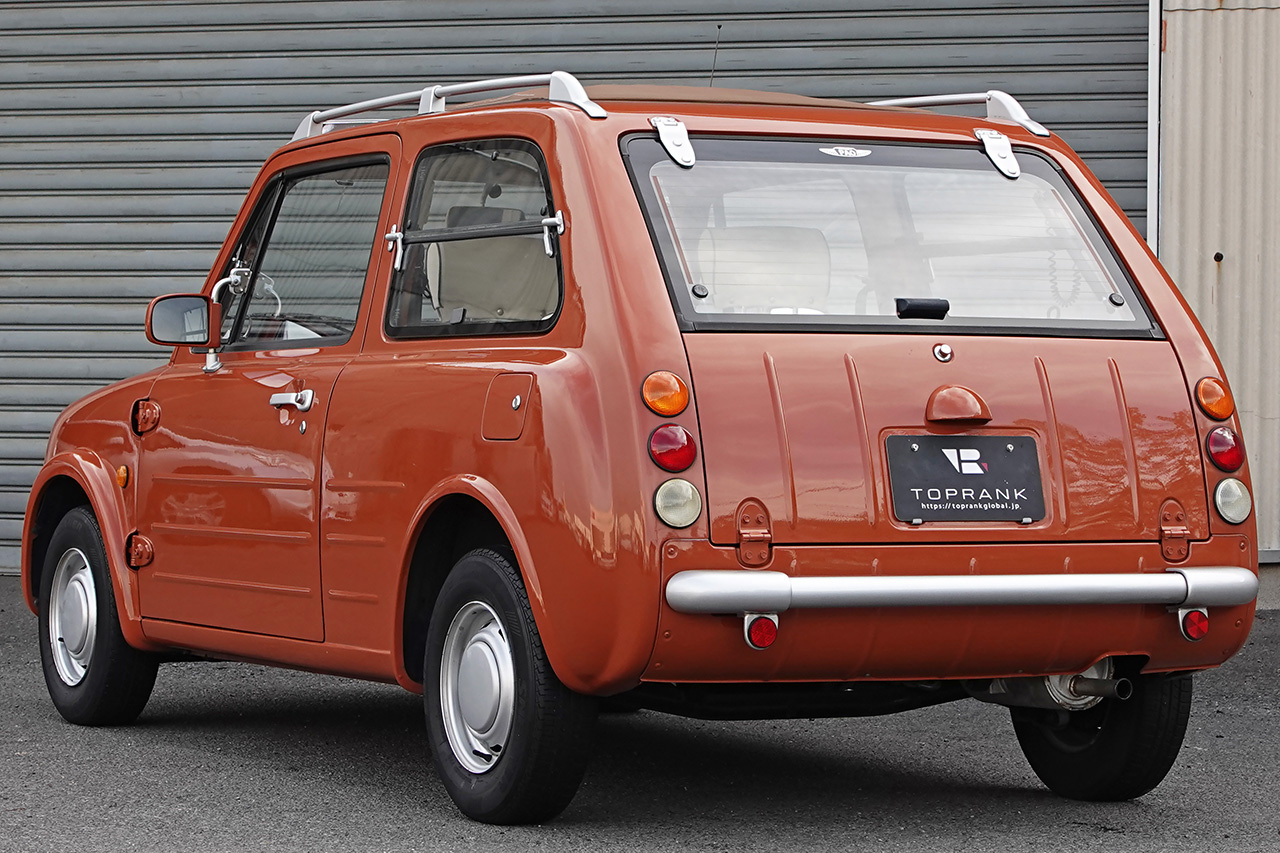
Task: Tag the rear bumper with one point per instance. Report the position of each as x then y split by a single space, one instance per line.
744 590
926 612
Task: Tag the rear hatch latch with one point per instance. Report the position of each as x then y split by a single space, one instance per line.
1175 536
755 533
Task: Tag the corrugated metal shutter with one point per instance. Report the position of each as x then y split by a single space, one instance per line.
1220 140
130 130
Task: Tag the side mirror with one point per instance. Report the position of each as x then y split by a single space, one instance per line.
184 319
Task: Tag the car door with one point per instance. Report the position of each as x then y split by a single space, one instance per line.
230 474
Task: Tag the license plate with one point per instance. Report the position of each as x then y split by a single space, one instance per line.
965 478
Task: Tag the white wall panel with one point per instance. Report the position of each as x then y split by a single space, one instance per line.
1220 196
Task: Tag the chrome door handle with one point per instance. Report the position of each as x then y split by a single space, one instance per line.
300 401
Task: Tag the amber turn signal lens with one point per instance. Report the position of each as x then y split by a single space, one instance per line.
122 476
1215 399
665 393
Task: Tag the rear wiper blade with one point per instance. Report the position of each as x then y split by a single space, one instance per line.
913 308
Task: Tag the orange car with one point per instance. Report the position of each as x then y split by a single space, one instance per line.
726 404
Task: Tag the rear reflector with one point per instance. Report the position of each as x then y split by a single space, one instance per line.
1214 398
665 393
762 630
1225 449
1233 501
1195 624
672 448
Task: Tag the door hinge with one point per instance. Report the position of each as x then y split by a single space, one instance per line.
140 550
1175 536
146 416
755 533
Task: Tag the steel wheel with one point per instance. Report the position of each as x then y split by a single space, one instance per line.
94 677
509 740
477 687
73 616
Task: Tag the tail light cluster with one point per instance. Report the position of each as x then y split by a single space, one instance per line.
1225 450
672 448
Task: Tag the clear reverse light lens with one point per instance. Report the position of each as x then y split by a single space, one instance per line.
677 503
1233 500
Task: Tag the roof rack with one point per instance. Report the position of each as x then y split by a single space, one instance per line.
564 88
1001 106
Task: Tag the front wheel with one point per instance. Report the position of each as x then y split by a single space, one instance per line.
509 741
94 677
1116 750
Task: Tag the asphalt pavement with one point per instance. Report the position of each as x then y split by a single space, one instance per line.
232 757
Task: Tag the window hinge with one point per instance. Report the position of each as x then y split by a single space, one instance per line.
675 139
999 151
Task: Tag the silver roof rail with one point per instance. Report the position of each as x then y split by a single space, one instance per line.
564 88
1001 106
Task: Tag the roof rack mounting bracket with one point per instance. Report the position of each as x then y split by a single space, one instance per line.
563 88
675 139
1001 106
999 151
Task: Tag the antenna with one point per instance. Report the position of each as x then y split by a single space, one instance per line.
714 56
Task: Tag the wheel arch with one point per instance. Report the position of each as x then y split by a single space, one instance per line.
459 515
81 478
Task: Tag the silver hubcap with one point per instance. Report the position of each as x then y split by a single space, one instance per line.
477 687
73 616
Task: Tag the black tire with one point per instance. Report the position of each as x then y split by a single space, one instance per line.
536 760
99 679
1117 750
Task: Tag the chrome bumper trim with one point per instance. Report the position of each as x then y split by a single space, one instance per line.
747 591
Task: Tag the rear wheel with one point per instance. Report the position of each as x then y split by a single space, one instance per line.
1116 750
94 677
509 741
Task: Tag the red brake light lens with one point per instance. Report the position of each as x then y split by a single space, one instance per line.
1225 449
672 448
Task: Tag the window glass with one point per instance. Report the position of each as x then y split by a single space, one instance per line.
475 254
235 278
308 274
759 231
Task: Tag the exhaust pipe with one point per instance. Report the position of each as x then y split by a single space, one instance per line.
1066 692
1103 688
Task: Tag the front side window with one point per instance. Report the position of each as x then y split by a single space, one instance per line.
303 261
477 258
867 235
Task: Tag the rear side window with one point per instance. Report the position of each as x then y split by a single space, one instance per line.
792 232
477 258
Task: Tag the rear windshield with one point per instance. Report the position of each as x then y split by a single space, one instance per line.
815 234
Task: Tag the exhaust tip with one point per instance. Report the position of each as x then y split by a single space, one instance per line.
1106 688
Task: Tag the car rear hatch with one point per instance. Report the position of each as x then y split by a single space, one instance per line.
871 438
900 343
